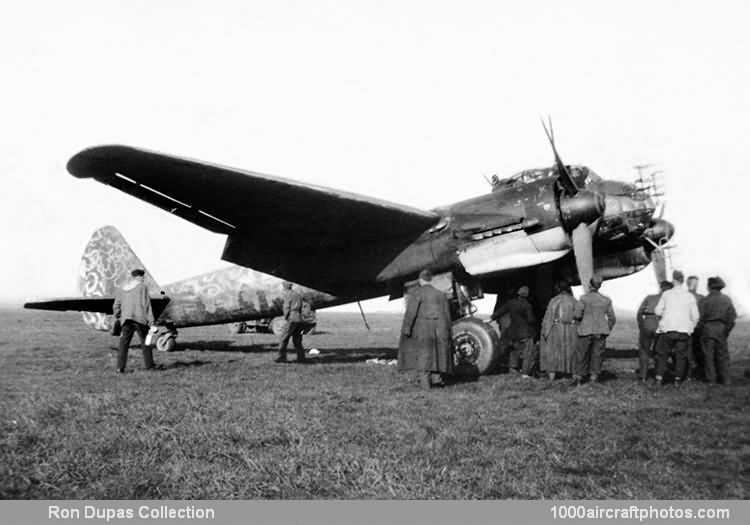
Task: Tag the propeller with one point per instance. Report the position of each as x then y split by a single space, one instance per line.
583 251
660 265
563 175
579 208
658 236
661 209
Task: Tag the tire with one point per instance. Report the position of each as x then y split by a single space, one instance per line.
276 325
166 343
476 345
237 328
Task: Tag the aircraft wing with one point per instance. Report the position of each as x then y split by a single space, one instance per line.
294 230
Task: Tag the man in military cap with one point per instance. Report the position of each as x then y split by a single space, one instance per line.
678 314
695 352
132 308
597 317
717 316
520 331
648 323
294 326
426 344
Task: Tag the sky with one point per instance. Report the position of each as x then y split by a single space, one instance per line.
409 101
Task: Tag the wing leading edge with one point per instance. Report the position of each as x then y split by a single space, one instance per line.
299 231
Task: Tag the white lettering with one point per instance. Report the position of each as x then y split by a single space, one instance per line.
189 512
56 512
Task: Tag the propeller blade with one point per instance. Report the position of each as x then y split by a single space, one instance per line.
661 211
562 171
584 254
660 265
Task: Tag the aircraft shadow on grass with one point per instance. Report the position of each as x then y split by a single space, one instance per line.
353 355
327 355
224 345
187 364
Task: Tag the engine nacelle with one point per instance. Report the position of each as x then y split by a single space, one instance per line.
584 207
620 264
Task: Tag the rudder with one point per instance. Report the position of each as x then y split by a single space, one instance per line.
105 266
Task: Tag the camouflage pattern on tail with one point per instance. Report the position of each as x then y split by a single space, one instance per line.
105 266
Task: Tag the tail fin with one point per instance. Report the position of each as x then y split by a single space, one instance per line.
105 266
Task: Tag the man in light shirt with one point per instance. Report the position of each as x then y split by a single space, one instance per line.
678 312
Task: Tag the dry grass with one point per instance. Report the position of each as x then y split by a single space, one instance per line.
223 421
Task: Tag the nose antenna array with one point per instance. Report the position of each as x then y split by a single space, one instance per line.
650 182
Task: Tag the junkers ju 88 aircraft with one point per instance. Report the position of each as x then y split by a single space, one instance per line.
540 225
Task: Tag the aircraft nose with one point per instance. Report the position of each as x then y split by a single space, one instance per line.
625 217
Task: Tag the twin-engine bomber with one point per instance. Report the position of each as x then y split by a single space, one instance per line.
534 228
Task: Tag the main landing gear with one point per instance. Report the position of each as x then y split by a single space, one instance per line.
166 341
476 343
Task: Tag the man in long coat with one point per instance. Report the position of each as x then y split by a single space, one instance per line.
426 344
717 317
559 334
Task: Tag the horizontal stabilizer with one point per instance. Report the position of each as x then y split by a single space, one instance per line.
89 304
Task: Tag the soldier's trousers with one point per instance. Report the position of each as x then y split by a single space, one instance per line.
526 349
292 331
695 353
716 352
126 336
646 341
669 342
589 354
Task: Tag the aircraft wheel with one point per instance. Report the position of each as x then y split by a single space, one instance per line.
277 325
237 328
166 343
476 345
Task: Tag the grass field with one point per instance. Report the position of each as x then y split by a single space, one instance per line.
223 421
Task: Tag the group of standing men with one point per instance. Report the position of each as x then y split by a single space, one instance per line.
572 335
677 324
690 328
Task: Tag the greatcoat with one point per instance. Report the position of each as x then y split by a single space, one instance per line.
426 343
559 335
